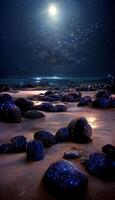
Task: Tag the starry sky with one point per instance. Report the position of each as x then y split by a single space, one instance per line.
79 41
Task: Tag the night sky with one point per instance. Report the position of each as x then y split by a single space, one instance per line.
78 39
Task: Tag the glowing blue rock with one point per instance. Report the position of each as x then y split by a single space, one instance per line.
62 135
100 166
35 150
47 138
64 178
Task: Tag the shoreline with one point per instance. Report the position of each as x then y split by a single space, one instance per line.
22 179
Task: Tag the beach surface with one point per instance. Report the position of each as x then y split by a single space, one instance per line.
20 179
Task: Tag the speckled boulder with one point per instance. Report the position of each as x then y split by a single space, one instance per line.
109 150
5 99
103 94
101 103
80 131
47 138
62 135
32 114
47 106
6 148
35 150
19 144
84 101
24 104
63 178
72 154
10 113
112 102
100 166
59 108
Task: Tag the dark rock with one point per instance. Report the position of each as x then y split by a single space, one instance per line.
6 148
59 108
62 135
112 102
100 166
48 98
35 150
72 154
101 103
10 113
47 138
109 150
63 178
49 92
19 144
24 104
111 87
5 99
80 131
71 97
51 97
47 106
32 114
103 94
84 101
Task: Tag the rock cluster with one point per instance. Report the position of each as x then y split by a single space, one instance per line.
49 107
16 144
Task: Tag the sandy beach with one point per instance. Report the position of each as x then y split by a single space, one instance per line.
20 179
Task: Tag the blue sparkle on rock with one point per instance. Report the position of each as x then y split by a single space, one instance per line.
101 166
35 150
65 178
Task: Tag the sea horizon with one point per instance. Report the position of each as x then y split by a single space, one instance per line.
51 80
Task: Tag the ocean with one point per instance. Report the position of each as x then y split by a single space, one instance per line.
51 80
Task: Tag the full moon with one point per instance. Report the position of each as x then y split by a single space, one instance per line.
53 10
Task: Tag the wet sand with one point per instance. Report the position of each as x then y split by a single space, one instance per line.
20 179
